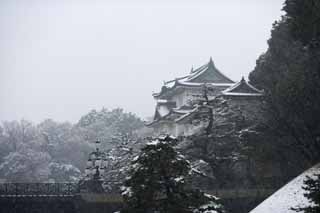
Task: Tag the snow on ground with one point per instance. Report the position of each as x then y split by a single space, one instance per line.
289 196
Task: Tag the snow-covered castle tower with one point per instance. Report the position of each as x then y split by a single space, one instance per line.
174 101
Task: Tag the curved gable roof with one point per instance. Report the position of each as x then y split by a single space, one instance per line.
242 88
208 73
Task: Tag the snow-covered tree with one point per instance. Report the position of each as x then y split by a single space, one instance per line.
61 172
158 182
64 147
64 142
105 123
312 186
26 165
18 133
118 160
217 145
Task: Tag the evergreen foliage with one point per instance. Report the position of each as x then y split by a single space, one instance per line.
218 144
158 182
303 18
223 146
313 188
289 73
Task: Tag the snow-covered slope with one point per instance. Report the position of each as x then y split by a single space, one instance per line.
289 196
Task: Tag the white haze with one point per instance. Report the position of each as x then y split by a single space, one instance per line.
61 58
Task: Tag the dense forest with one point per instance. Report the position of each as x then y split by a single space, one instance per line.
57 152
289 73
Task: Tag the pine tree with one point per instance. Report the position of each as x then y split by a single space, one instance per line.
303 18
289 74
158 182
313 188
217 144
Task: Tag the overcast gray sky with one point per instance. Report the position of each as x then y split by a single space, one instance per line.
61 58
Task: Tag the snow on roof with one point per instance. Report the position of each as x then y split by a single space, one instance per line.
216 77
182 111
186 83
162 101
241 94
187 114
242 88
207 73
172 115
289 196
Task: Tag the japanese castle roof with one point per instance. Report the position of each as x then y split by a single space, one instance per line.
182 114
242 88
207 73
170 116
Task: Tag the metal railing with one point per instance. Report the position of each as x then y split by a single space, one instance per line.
71 189
38 189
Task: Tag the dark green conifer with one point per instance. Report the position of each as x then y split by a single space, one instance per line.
313 194
158 182
312 186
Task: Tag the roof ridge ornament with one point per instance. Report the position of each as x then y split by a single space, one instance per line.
211 62
191 69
